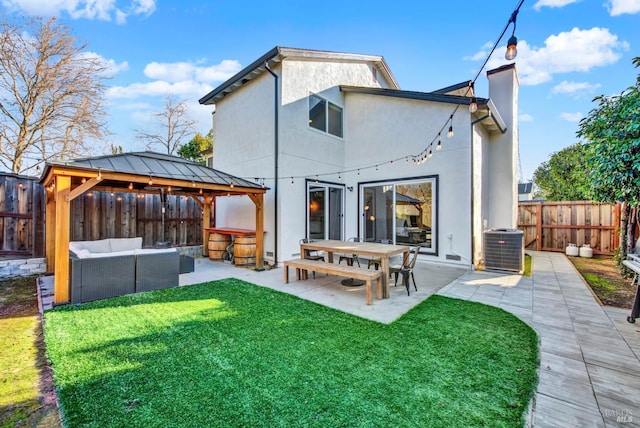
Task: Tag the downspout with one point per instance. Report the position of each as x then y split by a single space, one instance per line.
473 245
275 165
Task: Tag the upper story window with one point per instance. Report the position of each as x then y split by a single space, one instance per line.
325 116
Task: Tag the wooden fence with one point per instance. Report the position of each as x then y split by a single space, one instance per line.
551 226
22 213
94 215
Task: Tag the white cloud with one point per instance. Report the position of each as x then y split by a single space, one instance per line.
620 7
103 10
159 88
572 117
111 66
552 3
575 89
180 71
525 117
572 51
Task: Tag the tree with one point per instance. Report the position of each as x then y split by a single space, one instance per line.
51 94
175 125
197 148
613 131
563 177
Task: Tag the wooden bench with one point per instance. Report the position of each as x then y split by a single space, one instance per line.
633 263
303 266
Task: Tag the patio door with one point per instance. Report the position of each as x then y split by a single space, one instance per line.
325 214
400 212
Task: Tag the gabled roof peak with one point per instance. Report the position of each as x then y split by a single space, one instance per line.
278 54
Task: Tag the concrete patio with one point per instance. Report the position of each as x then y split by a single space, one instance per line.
590 367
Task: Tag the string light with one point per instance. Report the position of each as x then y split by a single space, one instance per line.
130 186
450 132
292 182
473 105
512 51
439 145
150 181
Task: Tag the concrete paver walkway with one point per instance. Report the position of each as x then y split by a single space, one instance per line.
590 367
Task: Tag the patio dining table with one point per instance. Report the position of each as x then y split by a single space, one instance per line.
369 249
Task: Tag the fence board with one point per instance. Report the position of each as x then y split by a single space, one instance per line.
551 226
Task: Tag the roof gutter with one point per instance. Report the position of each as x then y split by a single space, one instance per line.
275 163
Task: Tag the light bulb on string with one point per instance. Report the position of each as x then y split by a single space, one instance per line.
339 177
473 105
512 44
450 132
439 145
430 153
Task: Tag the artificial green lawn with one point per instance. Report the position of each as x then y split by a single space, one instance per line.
229 353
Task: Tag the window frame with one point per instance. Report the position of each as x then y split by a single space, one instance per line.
328 125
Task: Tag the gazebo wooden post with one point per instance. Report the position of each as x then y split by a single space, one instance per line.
258 200
50 230
61 279
206 223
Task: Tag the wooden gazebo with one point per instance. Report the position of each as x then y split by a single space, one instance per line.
138 172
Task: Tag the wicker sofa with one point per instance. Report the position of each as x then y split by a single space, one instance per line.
117 266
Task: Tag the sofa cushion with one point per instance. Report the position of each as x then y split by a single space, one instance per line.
82 254
125 244
111 254
100 246
143 251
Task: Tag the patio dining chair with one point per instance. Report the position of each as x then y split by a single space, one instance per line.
312 254
406 269
350 258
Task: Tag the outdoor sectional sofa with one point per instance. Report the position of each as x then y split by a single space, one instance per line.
117 266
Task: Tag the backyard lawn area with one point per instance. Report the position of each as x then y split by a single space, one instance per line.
229 353
26 392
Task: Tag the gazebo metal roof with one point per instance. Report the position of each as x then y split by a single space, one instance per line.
154 166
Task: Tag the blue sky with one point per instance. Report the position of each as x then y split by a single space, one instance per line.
568 51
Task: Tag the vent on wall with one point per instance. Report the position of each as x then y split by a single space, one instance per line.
504 250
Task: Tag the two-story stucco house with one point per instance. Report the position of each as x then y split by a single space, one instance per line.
345 153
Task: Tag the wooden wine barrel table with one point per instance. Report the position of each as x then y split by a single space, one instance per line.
244 244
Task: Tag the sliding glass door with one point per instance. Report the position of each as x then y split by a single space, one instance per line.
401 212
325 219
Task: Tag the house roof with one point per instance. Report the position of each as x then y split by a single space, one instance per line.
277 55
400 198
155 166
486 109
461 88
525 188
